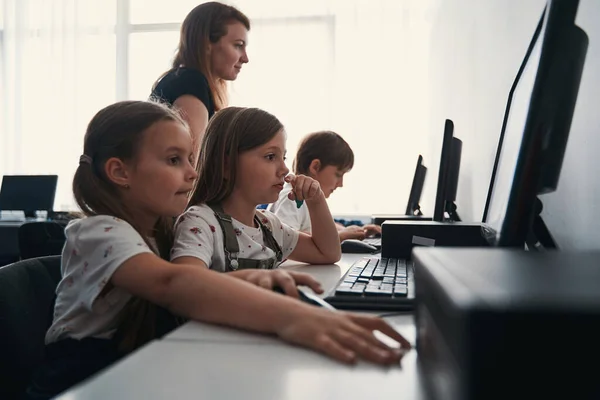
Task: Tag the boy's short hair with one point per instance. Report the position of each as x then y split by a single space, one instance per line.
325 146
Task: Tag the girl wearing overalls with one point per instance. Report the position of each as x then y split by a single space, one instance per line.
117 290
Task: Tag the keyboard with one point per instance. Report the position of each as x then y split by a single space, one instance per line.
374 283
373 241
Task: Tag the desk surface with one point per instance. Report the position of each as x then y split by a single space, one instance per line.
206 361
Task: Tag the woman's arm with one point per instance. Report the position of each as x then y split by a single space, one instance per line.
194 112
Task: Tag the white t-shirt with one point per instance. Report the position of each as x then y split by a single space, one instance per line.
289 213
95 247
198 234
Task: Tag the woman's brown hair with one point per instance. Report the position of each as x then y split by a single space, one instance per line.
326 146
117 131
231 131
205 24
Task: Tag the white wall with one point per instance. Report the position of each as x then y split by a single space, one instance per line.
477 47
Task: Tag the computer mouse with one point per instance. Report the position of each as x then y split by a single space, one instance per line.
357 246
308 297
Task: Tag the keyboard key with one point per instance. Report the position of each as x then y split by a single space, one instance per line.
400 290
366 273
378 293
387 291
348 292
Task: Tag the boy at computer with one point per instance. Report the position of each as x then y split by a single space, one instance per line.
326 157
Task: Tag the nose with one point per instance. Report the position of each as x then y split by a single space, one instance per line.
244 59
191 173
341 182
284 170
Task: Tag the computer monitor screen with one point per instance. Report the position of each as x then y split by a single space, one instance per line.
28 193
538 124
513 135
507 113
440 201
413 207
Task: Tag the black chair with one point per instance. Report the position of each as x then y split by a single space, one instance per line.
41 238
27 295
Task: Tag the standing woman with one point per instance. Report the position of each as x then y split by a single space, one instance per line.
211 51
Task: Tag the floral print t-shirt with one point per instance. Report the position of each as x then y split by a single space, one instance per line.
94 249
198 234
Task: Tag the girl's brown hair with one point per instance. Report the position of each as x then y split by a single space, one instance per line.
325 146
230 132
205 24
117 131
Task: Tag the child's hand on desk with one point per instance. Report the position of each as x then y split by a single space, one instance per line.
287 280
352 232
372 230
344 336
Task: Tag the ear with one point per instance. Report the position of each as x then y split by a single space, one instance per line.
314 167
117 172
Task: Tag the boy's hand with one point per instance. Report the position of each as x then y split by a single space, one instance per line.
372 230
303 187
352 232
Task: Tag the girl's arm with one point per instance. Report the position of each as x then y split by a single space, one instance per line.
205 295
201 294
267 279
322 246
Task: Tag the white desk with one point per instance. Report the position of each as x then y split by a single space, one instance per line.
211 362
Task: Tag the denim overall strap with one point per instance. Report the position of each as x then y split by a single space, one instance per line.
232 248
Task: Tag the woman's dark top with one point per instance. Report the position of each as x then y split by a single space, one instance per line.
181 81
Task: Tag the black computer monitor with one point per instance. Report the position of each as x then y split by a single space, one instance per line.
28 193
452 179
444 172
413 207
537 128
511 92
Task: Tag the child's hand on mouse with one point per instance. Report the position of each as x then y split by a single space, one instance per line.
352 232
286 280
304 188
343 336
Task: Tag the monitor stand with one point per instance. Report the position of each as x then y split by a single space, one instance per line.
417 211
539 238
29 213
451 210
